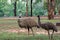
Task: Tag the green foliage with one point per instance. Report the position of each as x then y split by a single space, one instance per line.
6 8
39 7
2 7
37 1
45 5
57 2
21 7
1 13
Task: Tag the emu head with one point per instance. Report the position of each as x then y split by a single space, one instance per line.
19 16
38 17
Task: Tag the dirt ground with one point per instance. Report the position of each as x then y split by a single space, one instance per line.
38 31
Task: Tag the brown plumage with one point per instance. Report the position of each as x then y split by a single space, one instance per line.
27 23
47 26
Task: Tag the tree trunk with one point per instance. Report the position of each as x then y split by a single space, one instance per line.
51 9
59 12
26 8
15 8
31 8
49 14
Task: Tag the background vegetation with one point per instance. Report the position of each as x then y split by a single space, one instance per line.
39 7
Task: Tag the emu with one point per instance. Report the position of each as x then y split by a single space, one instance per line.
27 23
47 26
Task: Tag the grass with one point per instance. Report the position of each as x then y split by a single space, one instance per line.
6 24
14 36
53 21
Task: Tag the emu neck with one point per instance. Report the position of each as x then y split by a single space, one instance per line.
39 22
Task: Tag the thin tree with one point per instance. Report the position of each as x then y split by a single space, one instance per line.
27 8
15 3
31 8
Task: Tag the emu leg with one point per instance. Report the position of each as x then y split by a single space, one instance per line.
52 36
28 30
32 31
18 31
49 35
